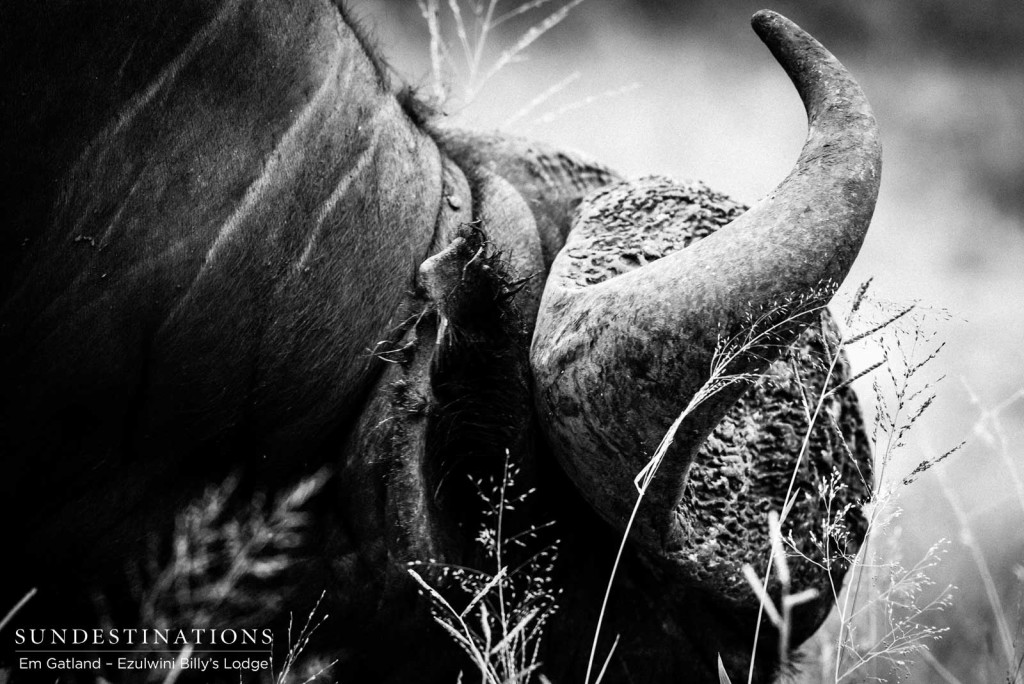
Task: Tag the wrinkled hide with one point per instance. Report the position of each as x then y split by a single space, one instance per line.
180 303
245 276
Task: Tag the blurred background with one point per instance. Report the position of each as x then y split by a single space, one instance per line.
685 89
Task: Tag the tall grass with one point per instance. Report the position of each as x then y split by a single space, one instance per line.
228 556
890 588
1005 614
894 611
881 617
475 25
500 622
761 332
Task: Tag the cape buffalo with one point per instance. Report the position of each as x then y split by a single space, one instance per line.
233 248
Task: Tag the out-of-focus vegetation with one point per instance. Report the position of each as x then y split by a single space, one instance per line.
685 89
983 32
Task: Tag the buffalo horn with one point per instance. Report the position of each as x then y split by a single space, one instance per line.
617 357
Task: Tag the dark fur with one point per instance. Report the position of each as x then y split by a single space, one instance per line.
145 358
128 362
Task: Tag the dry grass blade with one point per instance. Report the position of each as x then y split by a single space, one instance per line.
582 104
761 333
607 660
487 588
519 10
858 299
431 11
881 326
897 605
175 672
775 537
460 639
514 53
320 671
433 592
723 676
762 595
800 598
857 376
463 33
989 427
17 607
718 380
473 27
927 464
541 99
777 559
502 624
967 537
515 633
302 641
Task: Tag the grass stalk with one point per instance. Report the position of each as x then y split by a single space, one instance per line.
17 607
984 573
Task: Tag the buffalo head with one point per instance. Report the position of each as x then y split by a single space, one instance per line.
233 247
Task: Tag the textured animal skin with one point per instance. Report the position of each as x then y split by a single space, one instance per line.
248 282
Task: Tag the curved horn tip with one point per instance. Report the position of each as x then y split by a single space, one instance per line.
818 76
763 20
773 28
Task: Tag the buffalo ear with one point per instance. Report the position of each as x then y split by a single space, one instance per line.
626 341
552 181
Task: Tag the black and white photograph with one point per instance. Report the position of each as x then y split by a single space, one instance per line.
512 341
